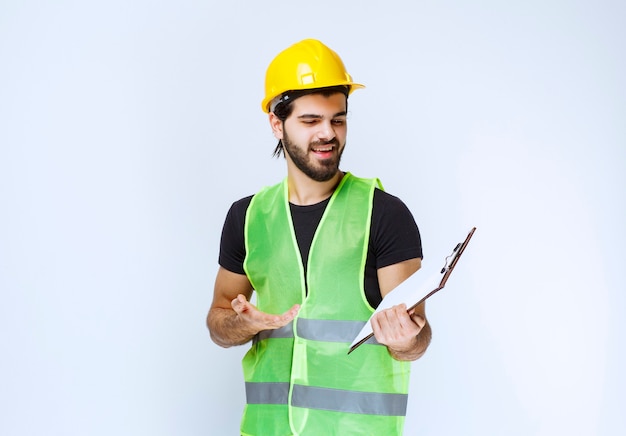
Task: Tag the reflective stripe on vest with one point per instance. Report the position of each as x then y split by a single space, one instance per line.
319 330
267 393
370 403
283 332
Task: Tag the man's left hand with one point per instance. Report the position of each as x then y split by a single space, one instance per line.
398 329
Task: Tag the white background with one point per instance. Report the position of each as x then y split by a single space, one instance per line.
128 128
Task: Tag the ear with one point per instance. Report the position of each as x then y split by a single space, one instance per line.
277 125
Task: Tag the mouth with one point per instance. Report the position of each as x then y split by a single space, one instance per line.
323 151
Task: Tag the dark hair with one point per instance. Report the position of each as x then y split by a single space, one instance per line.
285 107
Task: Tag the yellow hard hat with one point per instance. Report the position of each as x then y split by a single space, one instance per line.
308 64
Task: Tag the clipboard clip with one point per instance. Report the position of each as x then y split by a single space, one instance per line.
451 260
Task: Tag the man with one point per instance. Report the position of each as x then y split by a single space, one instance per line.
321 249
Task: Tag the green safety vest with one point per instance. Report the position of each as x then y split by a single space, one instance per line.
300 379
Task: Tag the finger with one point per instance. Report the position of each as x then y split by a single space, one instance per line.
396 316
270 321
409 319
401 310
419 320
410 323
385 325
291 313
288 316
375 323
399 323
239 304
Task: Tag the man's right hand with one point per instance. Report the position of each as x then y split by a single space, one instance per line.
257 320
232 319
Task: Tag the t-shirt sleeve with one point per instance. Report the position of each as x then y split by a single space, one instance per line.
395 235
232 244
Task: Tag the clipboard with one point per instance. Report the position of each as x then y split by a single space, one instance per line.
411 292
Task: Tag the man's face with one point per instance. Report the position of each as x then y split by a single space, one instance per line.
314 135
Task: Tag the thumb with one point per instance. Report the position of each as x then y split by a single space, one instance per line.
239 303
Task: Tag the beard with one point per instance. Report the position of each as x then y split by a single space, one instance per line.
326 168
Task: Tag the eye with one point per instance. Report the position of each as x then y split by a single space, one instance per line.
339 121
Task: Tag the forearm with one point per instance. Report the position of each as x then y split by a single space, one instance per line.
227 329
416 348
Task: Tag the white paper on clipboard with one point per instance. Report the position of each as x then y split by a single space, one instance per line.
414 290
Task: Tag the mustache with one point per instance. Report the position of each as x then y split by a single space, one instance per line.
333 141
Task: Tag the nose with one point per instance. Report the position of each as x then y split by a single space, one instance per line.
326 132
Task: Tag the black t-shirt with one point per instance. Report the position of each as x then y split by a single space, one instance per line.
394 236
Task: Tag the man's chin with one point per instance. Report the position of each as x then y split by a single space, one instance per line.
324 176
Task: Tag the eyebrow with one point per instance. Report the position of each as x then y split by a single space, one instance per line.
313 116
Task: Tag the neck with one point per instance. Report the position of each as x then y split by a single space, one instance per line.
304 191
